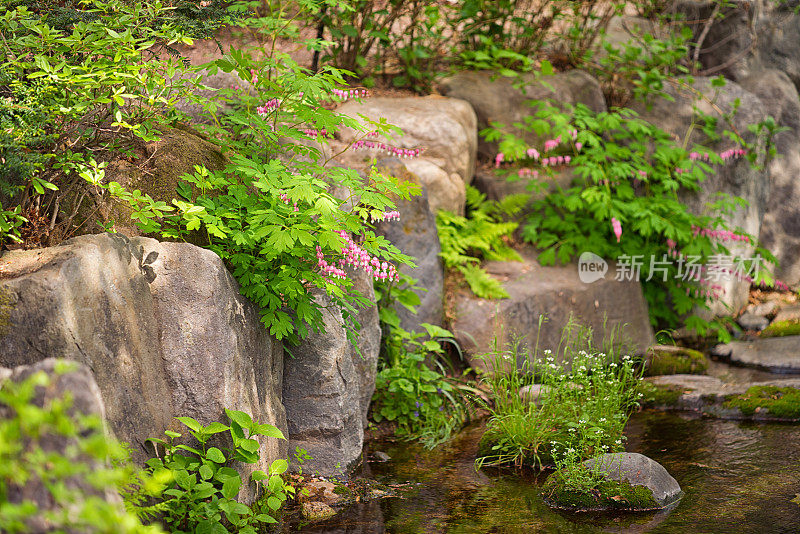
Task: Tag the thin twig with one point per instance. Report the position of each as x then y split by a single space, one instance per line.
704 34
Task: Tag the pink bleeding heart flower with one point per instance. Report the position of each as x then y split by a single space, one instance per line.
617 227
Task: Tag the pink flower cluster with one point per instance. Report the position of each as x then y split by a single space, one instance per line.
550 144
391 150
733 153
285 198
313 132
616 226
721 235
527 172
556 160
388 216
358 258
345 94
268 106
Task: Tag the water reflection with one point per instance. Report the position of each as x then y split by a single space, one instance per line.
737 478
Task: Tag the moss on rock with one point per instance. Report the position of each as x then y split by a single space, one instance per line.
781 402
666 360
659 395
607 495
6 307
789 327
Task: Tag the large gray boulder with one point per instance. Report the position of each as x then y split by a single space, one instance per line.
321 393
367 348
215 351
161 325
557 293
415 234
89 300
736 178
446 128
780 228
496 99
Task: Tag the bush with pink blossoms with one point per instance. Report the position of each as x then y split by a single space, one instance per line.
270 214
625 203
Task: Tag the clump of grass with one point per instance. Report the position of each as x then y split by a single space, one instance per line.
783 402
581 411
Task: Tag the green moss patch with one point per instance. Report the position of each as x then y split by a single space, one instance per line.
607 495
781 402
790 327
658 395
6 307
679 360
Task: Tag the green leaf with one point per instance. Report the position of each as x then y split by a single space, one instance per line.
230 488
191 423
215 455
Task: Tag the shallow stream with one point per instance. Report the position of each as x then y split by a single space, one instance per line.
737 478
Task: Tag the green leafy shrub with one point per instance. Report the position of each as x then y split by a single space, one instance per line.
482 234
97 463
641 67
76 87
271 214
402 40
201 496
576 409
624 203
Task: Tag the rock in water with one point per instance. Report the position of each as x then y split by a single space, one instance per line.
632 482
776 354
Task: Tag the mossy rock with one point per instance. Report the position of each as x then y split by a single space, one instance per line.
669 360
623 481
789 327
157 172
608 495
779 402
659 395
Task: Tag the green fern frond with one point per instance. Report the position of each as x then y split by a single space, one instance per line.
482 284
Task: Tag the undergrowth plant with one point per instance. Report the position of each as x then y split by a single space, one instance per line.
67 456
78 82
484 233
558 406
201 495
415 387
